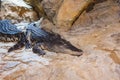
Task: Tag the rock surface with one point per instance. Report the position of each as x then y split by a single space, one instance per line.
51 7
69 11
17 13
97 33
62 13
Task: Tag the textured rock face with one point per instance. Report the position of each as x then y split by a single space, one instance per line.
51 7
100 15
46 8
62 13
97 33
69 11
17 13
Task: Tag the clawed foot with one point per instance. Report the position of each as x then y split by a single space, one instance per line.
38 51
10 49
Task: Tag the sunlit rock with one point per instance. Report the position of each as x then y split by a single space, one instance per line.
16 12
97 33
100 15
51 7
69 11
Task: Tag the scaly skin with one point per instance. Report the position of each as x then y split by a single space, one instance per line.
37 38
10 33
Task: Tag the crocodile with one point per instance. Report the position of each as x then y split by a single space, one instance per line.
42 40
36 38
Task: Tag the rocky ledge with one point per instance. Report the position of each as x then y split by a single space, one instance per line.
97 33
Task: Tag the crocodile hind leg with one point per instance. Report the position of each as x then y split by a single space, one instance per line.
37 49
21 43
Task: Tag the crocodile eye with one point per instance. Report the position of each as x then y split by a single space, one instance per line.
35 25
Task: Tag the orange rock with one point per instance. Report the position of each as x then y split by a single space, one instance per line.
99 39
69 11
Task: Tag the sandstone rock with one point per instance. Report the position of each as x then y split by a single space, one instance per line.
17 13
100 15
51 7
59 12
99 39
36 4
69 11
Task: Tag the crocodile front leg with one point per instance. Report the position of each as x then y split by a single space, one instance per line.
37 49
28 39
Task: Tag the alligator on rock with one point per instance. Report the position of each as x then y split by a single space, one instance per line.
36 38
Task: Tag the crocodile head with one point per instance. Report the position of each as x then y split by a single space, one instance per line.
59 45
